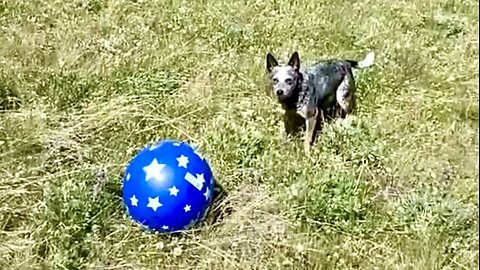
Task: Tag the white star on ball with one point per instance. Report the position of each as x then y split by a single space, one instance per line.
197 181
154 203
128 176
165 227
187 208
134 200
153 170
192 223
182 161
198 154
154 146
207 194
200 178
173 191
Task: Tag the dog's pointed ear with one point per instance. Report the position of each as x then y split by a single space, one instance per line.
294 61
271 62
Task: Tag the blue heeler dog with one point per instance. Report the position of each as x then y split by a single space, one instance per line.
310 96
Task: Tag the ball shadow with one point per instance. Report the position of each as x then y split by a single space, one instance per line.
220 207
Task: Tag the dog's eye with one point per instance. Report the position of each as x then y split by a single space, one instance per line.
289 81
275 80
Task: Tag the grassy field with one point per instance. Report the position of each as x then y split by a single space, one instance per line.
84 84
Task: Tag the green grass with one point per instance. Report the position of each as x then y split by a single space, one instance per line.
85 84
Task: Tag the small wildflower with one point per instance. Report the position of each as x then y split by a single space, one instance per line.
287 262
300 248
294 192
177 251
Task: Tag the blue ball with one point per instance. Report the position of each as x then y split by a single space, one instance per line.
168 187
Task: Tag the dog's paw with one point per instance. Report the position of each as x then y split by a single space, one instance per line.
285 136
307 148
308 154
347 121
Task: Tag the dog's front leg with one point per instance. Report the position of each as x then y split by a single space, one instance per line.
310 122
310 128
288 124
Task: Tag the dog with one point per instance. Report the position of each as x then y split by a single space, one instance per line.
309 96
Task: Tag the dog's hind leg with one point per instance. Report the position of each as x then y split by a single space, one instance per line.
346 95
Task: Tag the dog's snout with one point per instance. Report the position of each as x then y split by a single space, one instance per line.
279 92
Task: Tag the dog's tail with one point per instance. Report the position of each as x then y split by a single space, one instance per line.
368 61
